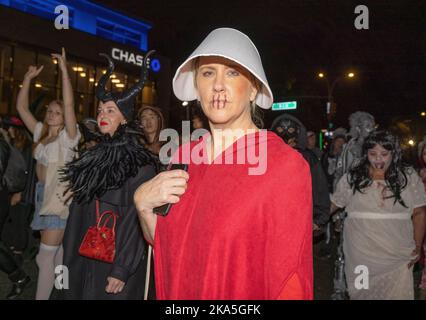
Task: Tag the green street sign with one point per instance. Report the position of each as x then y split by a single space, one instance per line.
290 105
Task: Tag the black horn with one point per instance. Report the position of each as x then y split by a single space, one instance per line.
101 92
125 100
132 92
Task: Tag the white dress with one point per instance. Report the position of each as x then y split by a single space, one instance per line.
378 238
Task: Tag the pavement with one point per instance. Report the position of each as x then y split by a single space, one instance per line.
323 277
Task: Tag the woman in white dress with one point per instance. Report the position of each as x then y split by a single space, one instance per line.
385 226
55 140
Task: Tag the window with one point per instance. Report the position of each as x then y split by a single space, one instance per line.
23 58
117 33
5 83
48 78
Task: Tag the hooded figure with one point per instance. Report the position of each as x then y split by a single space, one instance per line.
108 173
330 157
293 132
16 230
361 124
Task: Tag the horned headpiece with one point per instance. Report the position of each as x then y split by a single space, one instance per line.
125 100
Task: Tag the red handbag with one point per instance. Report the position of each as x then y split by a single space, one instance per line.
99 241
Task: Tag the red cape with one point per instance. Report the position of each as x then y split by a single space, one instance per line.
239 236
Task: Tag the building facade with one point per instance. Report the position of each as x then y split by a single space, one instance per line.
28 36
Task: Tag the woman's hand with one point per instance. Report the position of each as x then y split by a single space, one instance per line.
15 199
62 60
166 187
114 285
416 252
32 72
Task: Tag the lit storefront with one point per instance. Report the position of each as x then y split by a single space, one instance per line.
28 37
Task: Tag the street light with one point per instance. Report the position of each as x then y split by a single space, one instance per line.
423 114
330 89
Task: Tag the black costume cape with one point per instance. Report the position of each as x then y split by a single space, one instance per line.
111 171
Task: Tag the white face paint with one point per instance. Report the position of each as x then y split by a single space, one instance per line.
366 127
379 158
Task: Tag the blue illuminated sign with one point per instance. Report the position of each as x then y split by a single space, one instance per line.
136 59
90 18
155 65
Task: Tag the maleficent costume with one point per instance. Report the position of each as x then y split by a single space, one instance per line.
110 171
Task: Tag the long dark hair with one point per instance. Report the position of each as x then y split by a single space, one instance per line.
395 176
22 139
422 146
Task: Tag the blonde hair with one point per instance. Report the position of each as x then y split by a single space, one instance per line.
45 128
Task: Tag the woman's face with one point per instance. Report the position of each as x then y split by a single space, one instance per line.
109 117
54 115
379 158
149 120
225 91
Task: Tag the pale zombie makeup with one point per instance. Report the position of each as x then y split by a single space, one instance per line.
424 155
224 89
379 158
109 117
366 127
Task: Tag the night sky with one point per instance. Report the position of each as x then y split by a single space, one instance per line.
298 39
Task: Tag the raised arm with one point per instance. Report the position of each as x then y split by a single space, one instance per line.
22 102
67 96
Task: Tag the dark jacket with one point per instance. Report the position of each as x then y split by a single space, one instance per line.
320 195
28 195
88 277
4 158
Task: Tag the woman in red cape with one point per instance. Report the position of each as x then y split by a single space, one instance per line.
241 221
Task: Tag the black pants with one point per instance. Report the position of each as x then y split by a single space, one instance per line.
4 208
16 228
8 265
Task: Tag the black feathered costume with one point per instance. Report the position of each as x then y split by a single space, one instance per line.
111 171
